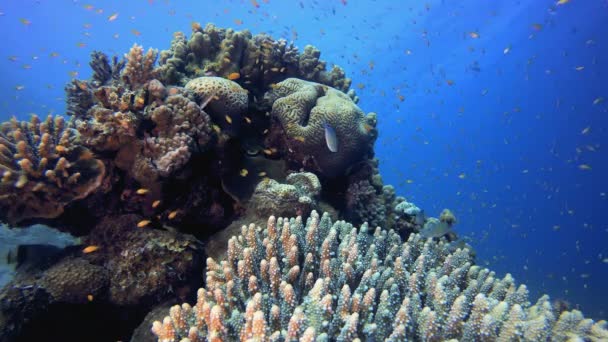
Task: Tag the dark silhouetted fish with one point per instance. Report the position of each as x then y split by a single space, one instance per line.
31 255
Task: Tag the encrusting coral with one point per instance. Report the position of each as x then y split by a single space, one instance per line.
322 282
305 109
43 168
74 280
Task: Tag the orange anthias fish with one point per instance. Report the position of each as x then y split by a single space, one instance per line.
90 249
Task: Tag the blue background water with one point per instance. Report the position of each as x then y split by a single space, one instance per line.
501 146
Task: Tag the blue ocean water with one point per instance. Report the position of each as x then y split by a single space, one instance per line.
497 110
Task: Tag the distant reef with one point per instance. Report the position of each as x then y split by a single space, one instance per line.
167 159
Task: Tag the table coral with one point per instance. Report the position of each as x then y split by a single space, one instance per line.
303 109
43 168
324 281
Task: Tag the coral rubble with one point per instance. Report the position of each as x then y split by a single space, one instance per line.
322 282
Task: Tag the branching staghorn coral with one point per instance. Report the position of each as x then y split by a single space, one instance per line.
326 282
43 167
140 67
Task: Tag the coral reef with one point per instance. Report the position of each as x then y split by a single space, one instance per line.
144 266
178 127
43 168
139 68
256 61
181 128
79 98
229 128
105 130
124 268
103 71
74 280
407 217
303 110
322 281
297 197
365 204
227 101
366 198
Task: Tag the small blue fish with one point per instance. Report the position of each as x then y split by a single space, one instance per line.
330 138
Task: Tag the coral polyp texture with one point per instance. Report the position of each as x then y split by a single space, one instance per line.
43 168
325 282
227 101
305 110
